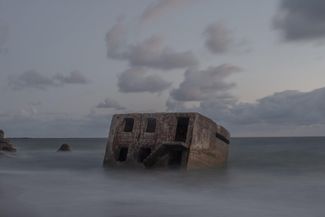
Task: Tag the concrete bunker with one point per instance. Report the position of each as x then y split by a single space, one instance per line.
170 140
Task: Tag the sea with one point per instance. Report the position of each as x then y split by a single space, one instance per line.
264 177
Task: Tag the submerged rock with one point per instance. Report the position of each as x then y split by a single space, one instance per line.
65 147
5 144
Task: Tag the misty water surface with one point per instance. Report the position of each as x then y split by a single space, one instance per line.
265 177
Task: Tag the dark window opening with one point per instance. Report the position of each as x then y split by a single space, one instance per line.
129 122
123 154
222 138
151 125
175 158
143 154
181 130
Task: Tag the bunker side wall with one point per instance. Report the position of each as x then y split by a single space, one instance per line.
206 149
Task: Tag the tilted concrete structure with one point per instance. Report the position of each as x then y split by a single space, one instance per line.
177 140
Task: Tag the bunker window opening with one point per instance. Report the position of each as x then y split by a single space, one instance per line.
151 125
143 154
181 129
129 122
123 153
222 138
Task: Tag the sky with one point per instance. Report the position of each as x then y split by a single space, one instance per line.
256 66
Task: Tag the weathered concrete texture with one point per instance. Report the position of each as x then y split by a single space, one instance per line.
180 140
209 145
5 144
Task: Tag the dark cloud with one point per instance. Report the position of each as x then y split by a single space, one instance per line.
289 107
218 38
301 19
137 80
34 79
285 113
201 85
157 8
150 53
75 77
110 103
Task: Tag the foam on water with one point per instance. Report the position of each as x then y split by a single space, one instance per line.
265 177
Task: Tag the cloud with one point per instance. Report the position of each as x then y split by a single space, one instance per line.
286 113
115 40
290 107
157 8
75 77
301 19
34 79
287 107
149 53
110 103
137 80
289 112
200 85
218 38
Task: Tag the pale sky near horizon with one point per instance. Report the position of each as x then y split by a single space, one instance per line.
256 67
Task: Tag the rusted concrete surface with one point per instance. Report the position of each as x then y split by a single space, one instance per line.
176 140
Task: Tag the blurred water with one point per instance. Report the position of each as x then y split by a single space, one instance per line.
265 177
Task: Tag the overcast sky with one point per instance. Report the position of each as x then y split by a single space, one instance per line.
257 67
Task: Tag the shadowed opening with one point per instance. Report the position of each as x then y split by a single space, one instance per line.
181 130
175 158
222 138
129 122
123 154
151 125
143 154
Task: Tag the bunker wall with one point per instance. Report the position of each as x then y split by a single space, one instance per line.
209 146
138 138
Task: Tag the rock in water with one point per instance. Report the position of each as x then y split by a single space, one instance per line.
65 147
5 144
